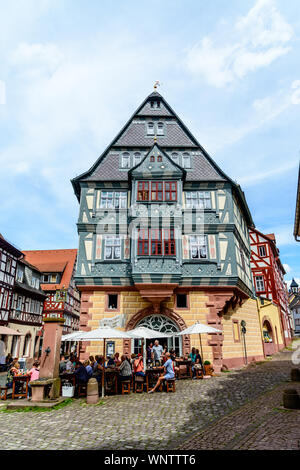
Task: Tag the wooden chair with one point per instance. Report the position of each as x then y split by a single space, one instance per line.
138 384
199 374
126 387
171 387
81 390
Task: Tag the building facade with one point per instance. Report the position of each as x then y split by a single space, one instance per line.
294 299
26 311
62 297
268 279
164 241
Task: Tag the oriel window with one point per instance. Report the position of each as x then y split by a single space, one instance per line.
157 191
112 249
143 191
171 191
198 247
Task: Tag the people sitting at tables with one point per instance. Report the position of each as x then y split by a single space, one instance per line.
111 363
117 358
88 368
124 369
69 365
81 375
98 368
138 366
34 374
12 372
192 356
62 364
167 375
150 352
198 364
157 351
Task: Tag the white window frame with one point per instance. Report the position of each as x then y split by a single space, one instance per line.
20 275
175 157
263 247
108 199
198 242
125 160
137 158
198 199
160 128
150 128
260 282
184 157
115 243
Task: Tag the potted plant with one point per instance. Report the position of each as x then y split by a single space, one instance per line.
208 368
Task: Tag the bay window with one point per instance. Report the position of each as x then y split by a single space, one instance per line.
156 242
157 191
198 247
112 250
198 200
113 200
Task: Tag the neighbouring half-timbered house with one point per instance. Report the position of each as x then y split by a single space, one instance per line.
63 298
26 311
268 278
163 240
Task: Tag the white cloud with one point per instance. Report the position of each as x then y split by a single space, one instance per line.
255 41
287 268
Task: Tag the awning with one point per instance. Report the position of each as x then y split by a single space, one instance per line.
8 331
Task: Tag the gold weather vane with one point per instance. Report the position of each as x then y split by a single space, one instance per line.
156 84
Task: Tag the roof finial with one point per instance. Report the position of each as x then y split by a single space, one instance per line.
156 84
155 139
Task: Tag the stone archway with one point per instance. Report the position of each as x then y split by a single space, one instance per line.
146 312
268 336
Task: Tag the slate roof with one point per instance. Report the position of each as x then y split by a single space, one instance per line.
135 136
148 111
294 283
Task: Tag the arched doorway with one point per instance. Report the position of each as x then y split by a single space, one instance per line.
268 338
163 324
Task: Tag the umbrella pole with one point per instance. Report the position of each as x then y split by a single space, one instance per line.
201 348
103 371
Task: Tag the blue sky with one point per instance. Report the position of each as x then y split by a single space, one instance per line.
73 72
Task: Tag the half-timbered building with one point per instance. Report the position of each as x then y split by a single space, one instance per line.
9 256
26 311
163 239
268 279
63 299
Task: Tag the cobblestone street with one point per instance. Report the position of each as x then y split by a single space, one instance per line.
204 414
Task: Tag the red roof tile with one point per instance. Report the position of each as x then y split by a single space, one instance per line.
60 261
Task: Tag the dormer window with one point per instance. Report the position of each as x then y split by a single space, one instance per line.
186 160
175 157
155 104
125 160
160 128
137 157
159 158
150 128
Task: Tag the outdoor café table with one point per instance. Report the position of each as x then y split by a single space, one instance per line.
111 377
23 380
188 364
152 376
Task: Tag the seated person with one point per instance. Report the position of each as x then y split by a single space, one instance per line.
34 374
125 369
168 375
88 368
192 356
138 366
98 368
117 359
62 364
92 361
69 365
111 363
198 364
12 372
81 375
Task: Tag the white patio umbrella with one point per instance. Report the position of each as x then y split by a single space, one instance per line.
72 336
146 333
199 328
104 333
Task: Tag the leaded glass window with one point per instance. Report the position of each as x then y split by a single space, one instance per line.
198 247
198 199
112 250
113 200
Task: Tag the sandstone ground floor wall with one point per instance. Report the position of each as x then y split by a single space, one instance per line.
226 348
269 315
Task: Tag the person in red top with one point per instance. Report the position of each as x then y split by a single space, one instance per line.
34 374
138 366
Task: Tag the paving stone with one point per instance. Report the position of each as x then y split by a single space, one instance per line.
160 420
